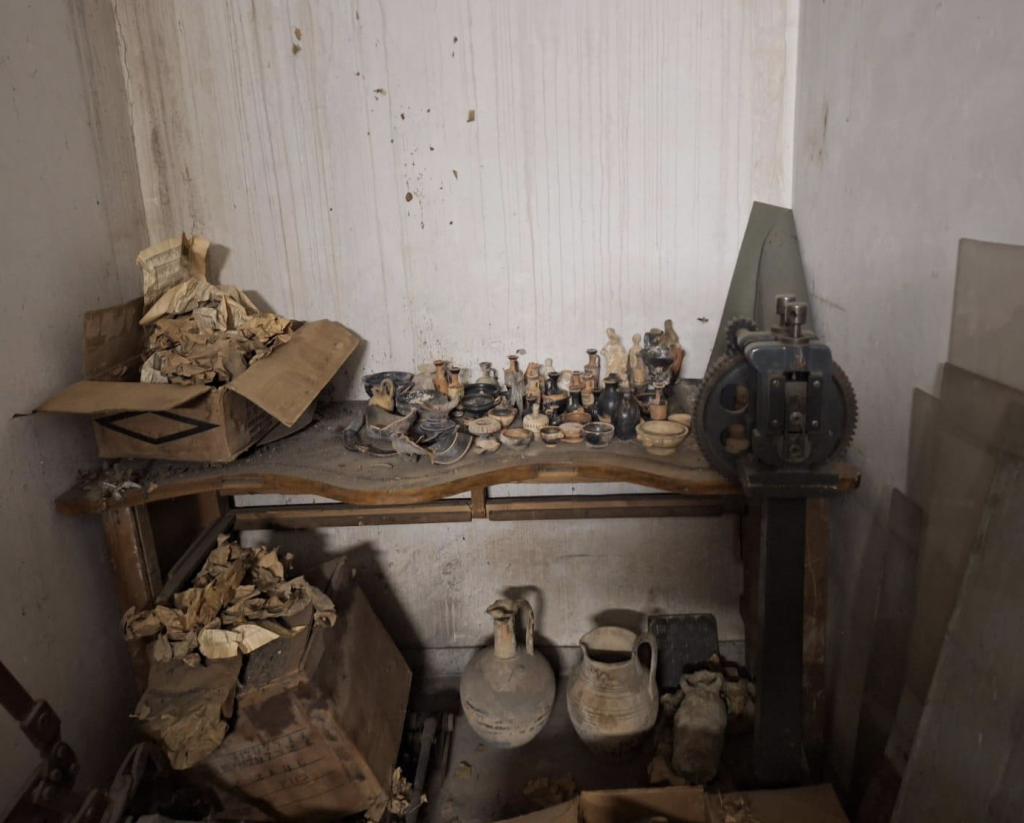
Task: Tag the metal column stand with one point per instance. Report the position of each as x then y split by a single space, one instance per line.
777 750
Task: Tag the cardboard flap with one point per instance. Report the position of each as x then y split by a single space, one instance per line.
807 804
284 384
105 397
684 804
113 338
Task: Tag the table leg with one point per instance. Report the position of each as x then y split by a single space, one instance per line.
777 754
132 551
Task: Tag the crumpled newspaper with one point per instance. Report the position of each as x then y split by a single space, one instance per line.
238 602
207 334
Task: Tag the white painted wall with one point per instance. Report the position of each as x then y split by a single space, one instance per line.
907 138
605 180
61 228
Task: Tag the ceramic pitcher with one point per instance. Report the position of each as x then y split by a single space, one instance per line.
612 697
507 690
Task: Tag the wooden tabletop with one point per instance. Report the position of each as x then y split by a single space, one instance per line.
314 461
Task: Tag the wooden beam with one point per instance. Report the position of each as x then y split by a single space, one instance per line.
478 502
588 507
326 515
129 538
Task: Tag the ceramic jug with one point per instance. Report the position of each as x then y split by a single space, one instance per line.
508 691
487 374
612 698
609 399
627 416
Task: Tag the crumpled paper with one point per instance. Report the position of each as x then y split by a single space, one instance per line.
238 602
186 710
207 334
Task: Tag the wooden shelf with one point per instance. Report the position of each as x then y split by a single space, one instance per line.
314 462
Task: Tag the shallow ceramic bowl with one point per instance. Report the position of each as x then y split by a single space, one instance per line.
516 438
478 404
550 435
573 432
481 388
483 426
454 452
661 437
578 416
402 381
597 435
685 419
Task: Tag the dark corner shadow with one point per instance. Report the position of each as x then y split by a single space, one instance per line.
310 550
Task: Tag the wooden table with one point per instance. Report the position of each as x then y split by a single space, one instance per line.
152 510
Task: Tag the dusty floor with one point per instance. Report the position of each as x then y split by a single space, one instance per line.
489 787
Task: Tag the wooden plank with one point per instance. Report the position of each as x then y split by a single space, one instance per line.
478 502
314 462
588 507
966 759
328 515
129 538
815 704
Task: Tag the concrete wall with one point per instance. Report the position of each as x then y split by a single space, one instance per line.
907 138
61 228
604 180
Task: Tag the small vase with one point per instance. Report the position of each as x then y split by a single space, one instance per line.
440 378
454 386
487 374
552 386
627 417
536 421
593 366
609 399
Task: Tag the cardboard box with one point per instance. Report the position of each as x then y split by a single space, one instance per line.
319 717
680 804
172 422
684 804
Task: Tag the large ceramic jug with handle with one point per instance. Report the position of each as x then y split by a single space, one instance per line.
612 696
507 690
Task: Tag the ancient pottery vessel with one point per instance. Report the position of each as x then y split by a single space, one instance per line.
483 426
453 452
597 435
627 415
550 435
593 367
503 413
517 439
507 690
401 380
685 419
661 437
535 421
383 396
454 386
440 378
488 374
609 399
658 407
573 432
698 729
612 697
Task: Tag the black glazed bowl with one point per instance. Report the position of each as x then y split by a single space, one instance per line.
481 388
597 435
401 379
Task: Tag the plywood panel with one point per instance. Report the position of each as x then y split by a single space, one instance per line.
604 178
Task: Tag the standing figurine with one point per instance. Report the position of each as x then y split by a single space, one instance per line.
669 336
614 354
637 368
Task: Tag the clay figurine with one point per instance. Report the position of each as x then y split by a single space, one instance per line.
614 354
637 368
669 336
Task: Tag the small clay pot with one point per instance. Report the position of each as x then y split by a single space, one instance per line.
483 426
517 439
598 435
504 415
573 432
661 437
551 435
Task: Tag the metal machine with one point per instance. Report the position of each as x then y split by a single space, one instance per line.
773 407
775 412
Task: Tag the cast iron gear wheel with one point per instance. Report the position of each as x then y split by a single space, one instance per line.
732 346
849 405
727 367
